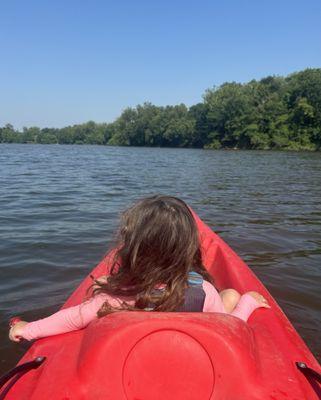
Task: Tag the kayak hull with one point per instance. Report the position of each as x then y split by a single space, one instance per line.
150 355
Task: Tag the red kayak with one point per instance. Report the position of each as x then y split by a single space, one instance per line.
173 356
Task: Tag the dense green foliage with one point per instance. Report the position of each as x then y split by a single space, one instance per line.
273 113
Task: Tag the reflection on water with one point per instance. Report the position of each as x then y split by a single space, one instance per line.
59 207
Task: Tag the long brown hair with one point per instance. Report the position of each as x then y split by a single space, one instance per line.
158 244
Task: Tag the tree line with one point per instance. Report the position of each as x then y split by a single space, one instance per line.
272 113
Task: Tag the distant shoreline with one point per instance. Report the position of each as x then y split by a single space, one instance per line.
222 149
275 113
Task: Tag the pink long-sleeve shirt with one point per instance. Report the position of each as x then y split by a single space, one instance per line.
78 317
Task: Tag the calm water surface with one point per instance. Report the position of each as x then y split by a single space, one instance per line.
59 207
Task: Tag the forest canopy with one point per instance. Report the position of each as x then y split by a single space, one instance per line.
272 113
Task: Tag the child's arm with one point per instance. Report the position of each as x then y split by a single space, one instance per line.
66 320
247 304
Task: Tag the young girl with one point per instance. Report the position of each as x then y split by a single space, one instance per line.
157 266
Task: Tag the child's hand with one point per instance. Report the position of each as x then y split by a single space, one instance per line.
15 333
260 299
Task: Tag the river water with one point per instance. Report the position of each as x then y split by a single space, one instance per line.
59 207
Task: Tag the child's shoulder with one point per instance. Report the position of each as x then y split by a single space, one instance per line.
196 279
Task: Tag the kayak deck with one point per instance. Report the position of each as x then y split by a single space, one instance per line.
150 355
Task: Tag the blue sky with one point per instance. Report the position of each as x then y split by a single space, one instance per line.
66 62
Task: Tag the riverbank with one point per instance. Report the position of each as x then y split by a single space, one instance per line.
277 113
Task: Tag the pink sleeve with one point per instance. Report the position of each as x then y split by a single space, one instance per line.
213 303
68 319
78 317
244 308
